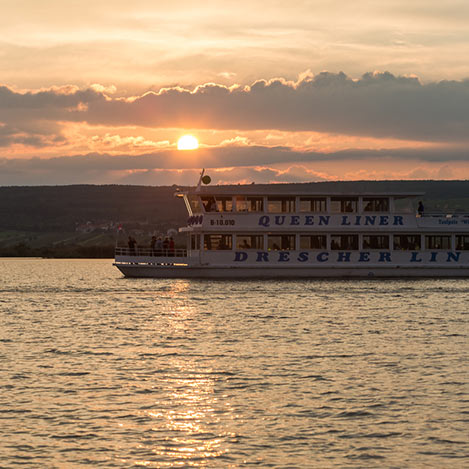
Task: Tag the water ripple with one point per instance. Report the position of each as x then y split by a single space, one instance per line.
101 371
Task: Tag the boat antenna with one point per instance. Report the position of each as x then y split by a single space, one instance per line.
197 189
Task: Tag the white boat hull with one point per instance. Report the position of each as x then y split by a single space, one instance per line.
237 272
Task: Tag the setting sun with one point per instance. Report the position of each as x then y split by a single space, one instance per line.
188 142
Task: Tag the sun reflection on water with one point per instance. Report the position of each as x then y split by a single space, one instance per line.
188 408
187 417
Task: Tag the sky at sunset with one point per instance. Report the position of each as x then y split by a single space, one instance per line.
99 92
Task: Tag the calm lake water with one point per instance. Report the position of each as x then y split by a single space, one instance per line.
102 371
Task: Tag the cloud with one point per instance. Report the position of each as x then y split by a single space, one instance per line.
63 171
445 172
378 105
229 157
297 173
235 164
10 136
264 174
128 143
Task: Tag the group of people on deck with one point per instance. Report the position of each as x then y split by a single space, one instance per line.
158 246
162 247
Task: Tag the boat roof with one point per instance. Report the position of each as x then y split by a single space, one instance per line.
290 190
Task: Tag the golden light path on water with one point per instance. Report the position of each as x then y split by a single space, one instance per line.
192 405
101 371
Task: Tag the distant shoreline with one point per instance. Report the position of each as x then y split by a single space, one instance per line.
69 252
58 258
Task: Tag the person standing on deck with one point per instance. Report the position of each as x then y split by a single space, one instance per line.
165 246
131 243
420 209
159 246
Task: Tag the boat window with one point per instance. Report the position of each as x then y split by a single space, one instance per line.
280 204
217 204
312 204
218 242
249 242
313 242
224 204
195 204
249 204
375 204
344 242
404 204
209 203
437 242
406 242
462 242
375 242
344 204
281 242
195 242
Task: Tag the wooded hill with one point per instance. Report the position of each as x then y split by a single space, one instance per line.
82 220
62 208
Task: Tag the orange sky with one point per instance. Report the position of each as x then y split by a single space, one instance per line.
99 92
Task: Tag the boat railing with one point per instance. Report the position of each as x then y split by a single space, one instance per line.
443 214
149 252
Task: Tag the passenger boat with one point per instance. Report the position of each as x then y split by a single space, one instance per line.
251 231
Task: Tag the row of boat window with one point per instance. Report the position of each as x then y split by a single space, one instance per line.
276 204
342 242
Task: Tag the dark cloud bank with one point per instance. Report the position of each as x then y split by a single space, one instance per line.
377 105
243 163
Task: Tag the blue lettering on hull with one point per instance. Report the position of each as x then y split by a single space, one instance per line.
283 256
345 257
262 257
453 256
364 257
240 256
415 257
267 221
302 257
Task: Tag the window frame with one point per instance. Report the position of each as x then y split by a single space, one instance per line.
355 245
323 243
285 240
208 240
410 248
371 247
287 204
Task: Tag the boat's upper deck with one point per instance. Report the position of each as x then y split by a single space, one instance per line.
272 207
272 199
